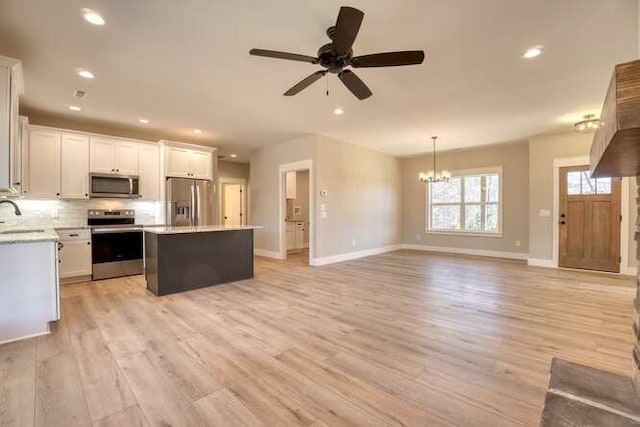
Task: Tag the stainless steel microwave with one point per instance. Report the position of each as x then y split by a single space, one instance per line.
105 185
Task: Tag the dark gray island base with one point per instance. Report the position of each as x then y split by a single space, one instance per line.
179 259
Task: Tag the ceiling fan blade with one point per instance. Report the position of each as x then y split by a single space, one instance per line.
305 83
354 84
283 55
346 30
389 59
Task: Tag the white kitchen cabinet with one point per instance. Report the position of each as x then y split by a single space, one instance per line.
44 163
74 166
74 253
150 171
188 161
295 235
112 156
200 164
11 88
290 186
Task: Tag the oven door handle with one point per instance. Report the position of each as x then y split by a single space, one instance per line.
115 230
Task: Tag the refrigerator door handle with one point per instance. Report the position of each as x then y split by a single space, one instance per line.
192 218
198 207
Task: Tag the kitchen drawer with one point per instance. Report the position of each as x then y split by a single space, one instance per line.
74 234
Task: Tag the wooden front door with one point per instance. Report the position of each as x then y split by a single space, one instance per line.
589 221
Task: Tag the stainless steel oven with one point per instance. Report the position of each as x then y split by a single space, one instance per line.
114 186
116 244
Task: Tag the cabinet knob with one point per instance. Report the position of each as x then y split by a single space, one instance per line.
57 194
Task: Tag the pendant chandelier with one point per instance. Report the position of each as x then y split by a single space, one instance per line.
589 123
433 175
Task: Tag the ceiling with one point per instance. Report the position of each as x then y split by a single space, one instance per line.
185 65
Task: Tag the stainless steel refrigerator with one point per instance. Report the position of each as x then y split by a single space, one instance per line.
191 202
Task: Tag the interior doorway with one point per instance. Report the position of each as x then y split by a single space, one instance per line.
296 231
589 220
233 202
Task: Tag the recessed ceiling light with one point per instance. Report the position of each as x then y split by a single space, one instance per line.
338 111
74 108
145 121
92 17
197 131
532 52
233 156
86 74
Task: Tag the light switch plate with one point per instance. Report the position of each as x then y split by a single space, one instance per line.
544 213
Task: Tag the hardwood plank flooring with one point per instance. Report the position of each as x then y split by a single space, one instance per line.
404 338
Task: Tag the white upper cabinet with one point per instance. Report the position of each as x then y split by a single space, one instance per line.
127 158
150 171
200 164
11 87
178 162
44 163
290 186
113 156
188 161
74 166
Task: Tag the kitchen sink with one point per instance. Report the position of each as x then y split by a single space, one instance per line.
21 231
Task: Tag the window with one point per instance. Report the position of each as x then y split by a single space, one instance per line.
580 182
469 203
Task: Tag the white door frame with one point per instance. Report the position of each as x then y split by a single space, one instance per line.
243 202
561 162
282 170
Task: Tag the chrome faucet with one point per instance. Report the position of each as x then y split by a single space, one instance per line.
15 207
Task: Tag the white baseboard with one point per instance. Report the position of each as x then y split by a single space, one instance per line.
353 255
541 262
39 334
267 254
465 251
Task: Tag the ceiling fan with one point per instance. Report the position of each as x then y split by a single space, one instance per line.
338 55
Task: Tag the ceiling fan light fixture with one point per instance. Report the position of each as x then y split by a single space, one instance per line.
589 123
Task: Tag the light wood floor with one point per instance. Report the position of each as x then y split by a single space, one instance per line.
404 338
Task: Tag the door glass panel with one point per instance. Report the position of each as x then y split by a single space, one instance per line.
472 189
603 185
445 217
473 218
573 183
588 184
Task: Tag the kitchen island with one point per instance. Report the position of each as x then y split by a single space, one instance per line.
179 259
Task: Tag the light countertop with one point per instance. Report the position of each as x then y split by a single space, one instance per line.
18 234
200 229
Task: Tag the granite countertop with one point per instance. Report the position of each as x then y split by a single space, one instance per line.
32 234
199 229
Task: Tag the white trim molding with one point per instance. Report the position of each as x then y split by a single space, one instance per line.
267 254
539 262
466 251
353 255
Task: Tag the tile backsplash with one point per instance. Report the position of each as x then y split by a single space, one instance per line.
71 213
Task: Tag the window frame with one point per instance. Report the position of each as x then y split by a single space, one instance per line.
493 170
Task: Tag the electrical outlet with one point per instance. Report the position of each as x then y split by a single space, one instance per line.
353 243
518 243
418 236
55 214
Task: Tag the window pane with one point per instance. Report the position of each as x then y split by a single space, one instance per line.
603 185
472 218
573 183
492 184
491 218
473 189
588 184
446 192
445 217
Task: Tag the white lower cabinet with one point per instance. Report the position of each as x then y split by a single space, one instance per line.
295 235
74 253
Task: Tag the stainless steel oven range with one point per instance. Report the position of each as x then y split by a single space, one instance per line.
116 243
